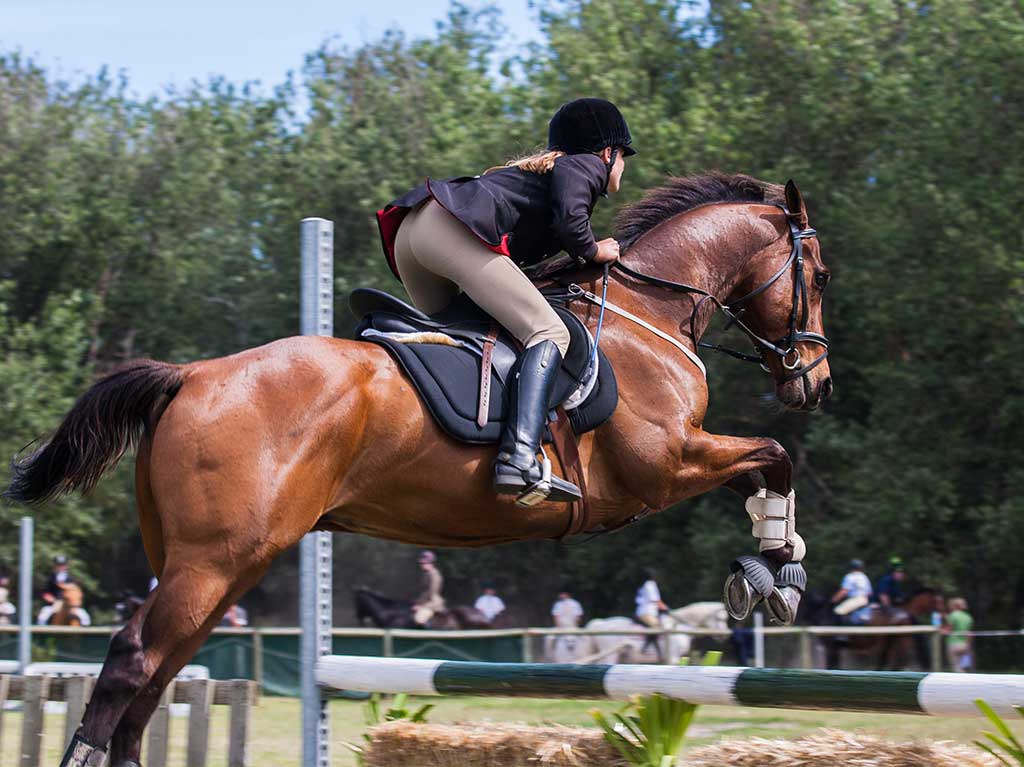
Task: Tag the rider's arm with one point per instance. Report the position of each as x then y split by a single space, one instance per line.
576 182
839 596
50 590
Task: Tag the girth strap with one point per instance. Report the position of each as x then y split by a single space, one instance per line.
563 440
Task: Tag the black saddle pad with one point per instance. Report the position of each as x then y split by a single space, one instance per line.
447 375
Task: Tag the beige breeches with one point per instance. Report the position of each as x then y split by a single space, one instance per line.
651 621
437 257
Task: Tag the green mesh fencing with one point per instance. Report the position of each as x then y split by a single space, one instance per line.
496 650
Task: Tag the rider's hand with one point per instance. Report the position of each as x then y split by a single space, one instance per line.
607 251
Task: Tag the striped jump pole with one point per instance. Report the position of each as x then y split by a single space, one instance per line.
883 692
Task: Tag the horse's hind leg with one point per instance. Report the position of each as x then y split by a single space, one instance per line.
126 743
146 654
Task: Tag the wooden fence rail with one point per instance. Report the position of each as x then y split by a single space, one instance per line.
34 692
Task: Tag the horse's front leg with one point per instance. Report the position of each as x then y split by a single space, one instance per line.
775 575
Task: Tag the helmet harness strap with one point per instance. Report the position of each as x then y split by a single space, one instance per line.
610 164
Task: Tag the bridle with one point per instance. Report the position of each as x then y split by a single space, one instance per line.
798 317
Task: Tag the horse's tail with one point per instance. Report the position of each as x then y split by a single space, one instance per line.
105 422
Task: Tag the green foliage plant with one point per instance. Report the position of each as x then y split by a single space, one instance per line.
374 714
649 731
1012 751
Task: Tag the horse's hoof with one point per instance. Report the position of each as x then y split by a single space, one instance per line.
752 579
782 605
784 600
80 753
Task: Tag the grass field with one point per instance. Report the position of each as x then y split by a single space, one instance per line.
275 726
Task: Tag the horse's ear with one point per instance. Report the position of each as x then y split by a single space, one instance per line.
795 203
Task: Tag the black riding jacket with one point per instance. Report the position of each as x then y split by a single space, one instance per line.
527 216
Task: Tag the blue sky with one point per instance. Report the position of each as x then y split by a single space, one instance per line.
173 43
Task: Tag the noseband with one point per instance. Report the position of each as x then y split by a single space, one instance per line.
798 317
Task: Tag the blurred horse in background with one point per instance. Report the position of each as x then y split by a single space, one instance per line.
387 613
627 647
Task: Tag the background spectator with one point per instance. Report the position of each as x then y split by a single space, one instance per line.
938 614
958 644
7 609
566 612
236 617
489 603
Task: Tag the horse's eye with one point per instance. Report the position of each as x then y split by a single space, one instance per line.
821 279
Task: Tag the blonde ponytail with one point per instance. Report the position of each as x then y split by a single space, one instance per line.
538 162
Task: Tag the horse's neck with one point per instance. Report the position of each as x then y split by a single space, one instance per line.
698 614
919 603
681 250
381 602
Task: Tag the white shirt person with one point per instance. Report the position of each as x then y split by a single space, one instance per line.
566 612
490 604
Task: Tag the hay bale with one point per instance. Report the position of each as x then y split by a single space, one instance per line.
487 744
836 748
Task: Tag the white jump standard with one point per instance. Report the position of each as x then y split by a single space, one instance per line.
934 694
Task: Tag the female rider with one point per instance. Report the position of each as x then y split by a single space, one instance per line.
472 234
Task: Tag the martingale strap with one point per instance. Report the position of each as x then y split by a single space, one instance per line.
580 292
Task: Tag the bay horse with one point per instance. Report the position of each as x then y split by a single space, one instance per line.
387 613
886 651
239 457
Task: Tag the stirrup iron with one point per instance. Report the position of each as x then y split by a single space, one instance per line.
550 487
539 490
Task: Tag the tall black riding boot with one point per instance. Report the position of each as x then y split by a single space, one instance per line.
516 469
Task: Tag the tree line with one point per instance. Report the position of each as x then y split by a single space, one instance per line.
167 227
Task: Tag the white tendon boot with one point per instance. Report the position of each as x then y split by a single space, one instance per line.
753 578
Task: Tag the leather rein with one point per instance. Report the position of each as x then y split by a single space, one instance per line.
798 317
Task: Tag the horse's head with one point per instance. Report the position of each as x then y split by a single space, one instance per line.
779 305
71 594
363 599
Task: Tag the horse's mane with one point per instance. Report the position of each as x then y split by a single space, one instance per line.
682 193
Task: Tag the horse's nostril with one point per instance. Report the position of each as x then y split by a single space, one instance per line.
826 388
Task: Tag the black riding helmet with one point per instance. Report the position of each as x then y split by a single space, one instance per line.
589 125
